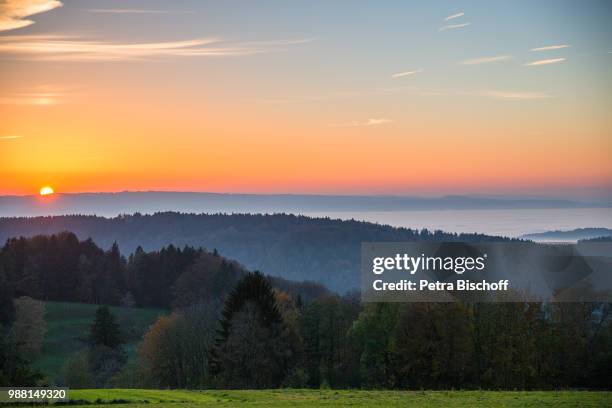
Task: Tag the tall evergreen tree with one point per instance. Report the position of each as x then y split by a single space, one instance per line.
114 276
251 350
105 356
256 288
105 329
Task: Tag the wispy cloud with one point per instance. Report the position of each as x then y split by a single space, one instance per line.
10 137
14 13
138 11
544 62
373 122
454 16
453 26
486 60
32 98
64 48
272 43
513 95
550 47
406 73
369 122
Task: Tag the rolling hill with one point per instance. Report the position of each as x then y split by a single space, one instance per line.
292 247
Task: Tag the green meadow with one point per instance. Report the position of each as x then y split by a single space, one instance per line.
341 398
68 325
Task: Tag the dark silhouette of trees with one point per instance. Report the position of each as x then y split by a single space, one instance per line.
251 351
272 332
15 370
61 268
7 307
292 247
330 356
106 356
105 330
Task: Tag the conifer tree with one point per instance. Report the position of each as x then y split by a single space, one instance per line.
251 350
105 329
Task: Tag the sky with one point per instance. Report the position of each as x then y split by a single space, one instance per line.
317 97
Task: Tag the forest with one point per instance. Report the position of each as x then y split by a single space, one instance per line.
292 247
227 327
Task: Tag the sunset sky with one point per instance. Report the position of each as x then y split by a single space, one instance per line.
333 97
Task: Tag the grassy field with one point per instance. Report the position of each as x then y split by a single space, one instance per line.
67 327
332 398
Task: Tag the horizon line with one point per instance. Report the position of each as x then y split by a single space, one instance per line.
494 196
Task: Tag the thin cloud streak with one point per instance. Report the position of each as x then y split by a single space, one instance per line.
295 41
14 13
453 26
454 16
33 98
486 60
369 122
406 73
544 62
60 48
513 95
551 47
374 122
10 137
138 11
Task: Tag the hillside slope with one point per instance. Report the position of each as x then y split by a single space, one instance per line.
68 325
292 247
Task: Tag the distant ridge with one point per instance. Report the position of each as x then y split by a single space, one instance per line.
113 204
292 247
570 235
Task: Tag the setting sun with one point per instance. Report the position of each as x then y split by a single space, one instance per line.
45 191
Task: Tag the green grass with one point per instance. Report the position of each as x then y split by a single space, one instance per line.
68 325
345 398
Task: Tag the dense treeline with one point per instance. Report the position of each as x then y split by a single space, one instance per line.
62 268
264 338
292 247
229 328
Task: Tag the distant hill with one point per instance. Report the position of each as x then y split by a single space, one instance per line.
596 240
112 204
288 246
571 235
